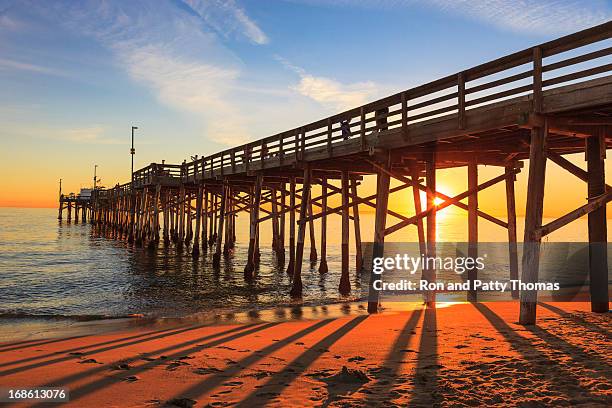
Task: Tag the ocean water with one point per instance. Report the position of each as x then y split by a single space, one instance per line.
53 269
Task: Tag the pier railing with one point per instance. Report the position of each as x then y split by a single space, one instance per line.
567 60
156 172
527 72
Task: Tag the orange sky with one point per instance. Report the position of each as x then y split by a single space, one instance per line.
37 183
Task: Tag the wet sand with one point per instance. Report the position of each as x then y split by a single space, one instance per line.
461 355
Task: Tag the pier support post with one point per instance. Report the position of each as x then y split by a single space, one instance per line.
195 250
311 229
296 288
220 219
61 207
357 228
416 197
533 222
280 254
472 170
598 237
188 220
345 284
280 250
213 211
181 217
429 273
166 210
274 220
216 214
378 247
511 210
323 268
228 222
205 219
255 200
156 213
291 265
69 211
132 204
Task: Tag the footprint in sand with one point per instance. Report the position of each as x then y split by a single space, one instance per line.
181 402
89 361
206 370
176 364
122 366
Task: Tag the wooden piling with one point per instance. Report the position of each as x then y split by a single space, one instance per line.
195 250
533 222
274 220
356 228
291 265
511 210
345 284
311 229
254 221
323 268
280 253
220 220
598 237
472 274
296 287
378 246
205 219
416 197
429 273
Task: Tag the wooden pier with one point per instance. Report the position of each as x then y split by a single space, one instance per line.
537 104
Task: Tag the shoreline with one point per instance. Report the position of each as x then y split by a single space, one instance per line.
461 354
22 326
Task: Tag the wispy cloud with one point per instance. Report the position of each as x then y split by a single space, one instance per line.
174 48
94 134
329 92
12 65
536 16
228 18
530 16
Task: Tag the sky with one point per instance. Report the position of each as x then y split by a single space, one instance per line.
198 76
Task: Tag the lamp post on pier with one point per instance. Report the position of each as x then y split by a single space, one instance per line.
133 151
133 198
95 178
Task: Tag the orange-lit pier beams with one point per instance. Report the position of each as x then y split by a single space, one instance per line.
538 104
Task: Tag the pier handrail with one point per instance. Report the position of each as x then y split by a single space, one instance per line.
523 73
449 95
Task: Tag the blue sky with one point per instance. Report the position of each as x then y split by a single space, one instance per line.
197 75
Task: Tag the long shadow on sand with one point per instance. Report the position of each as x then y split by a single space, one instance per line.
82 348
557 377
574 318
425 392
19 345
210 383
274 386
395 358
165 333
98 384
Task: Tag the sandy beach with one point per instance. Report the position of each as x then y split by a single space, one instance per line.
460 355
